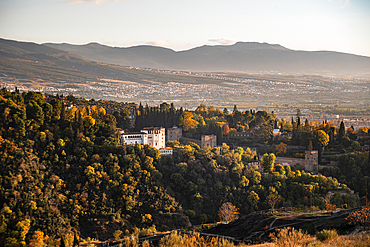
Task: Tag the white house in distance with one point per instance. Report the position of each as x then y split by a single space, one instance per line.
156 136
153 136
132 138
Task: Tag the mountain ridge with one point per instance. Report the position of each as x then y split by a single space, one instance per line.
250 57
245 57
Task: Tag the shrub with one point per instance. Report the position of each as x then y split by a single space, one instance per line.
193 240
289 237
360 217
327 235
147 231
117 234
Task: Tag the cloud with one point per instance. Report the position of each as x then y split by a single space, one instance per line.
222 41
160 43
99 2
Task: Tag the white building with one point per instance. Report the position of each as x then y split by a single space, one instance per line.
156 136
153 136
134 137
166 151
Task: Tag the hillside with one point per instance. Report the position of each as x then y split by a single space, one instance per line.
248 57
257 226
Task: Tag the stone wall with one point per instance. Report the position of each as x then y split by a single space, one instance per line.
290 161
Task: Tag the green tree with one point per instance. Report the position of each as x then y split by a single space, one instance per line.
35 112
342 131
268 161
253 200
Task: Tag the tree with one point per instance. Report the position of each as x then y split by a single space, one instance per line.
322 138
268 161
62 243
225 129
38 239
272 200
342 131
253 199
35 112
228 212
281 149
360 217
355 145
298 117
188 121
123 120
76 242
117 234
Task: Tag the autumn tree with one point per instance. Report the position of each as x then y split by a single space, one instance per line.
360 217
281 149
188 121
228 212
38 239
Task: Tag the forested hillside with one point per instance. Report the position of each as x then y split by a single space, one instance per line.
64 172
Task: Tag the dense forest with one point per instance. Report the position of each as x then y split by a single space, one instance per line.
64 172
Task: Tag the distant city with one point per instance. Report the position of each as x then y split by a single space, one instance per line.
282 97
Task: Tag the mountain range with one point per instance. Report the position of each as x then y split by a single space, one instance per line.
250 57
91 61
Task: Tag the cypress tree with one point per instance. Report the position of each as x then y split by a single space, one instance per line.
75 240
62 243
342 130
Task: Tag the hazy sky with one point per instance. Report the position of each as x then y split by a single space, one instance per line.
337 25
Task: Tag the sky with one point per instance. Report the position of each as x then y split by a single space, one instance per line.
335 25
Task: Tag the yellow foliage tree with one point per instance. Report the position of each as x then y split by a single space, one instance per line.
281 149
189 122
38 239
323 138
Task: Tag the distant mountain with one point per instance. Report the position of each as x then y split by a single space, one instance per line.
249 57
31 60
28 60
